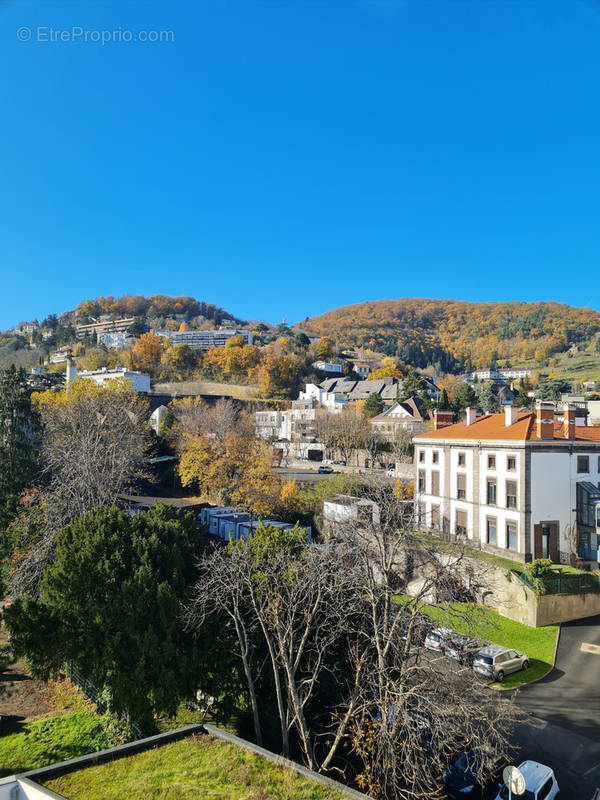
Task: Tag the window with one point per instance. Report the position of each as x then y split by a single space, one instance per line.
421 456
491 493
491 462
421 512
421 485
435 517
460 527
462 459
435 457
511 535
545 790
461 486
511 494
435 483
491 529
511 463
583 464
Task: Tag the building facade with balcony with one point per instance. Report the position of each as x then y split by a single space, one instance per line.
521 484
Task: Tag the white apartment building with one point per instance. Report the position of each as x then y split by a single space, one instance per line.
140 380
104 326
204 340
115 339
522 484
294 431
498 375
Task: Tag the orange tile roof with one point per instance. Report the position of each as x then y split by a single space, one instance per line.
491 427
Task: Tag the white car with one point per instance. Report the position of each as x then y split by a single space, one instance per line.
540 783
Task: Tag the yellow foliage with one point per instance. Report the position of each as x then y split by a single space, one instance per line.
390 371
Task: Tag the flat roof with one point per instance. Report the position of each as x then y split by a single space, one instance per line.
197 766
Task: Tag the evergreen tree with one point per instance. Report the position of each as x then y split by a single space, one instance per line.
19 430
373 406
111 603
444 403
465 397
487 399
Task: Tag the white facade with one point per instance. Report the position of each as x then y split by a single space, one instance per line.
328 366
499 375
115 340
518 496
140 381
334 401
205 340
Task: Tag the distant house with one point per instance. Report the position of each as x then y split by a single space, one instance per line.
401 416
329 366
362 369
60 356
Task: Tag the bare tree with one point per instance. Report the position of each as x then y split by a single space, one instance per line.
343 431
93 442
351 614
416 712
195 416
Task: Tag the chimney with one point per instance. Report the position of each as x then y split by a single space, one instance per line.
470 416
510 416
544 420
569 421
71 371
442 418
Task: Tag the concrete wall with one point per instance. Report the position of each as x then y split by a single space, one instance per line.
516 601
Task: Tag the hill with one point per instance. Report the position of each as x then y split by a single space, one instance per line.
457 334
29 344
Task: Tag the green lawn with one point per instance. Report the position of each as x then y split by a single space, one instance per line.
195 767
538 643
49 740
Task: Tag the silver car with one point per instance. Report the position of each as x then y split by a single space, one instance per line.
495 662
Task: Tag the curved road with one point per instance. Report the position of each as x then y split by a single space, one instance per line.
563 729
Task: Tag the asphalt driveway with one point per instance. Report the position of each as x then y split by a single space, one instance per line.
563 729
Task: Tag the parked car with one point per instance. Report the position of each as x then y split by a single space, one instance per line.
436 639
340 463
325 469
460 780
463 648
327 461
540 783
495 662
419 632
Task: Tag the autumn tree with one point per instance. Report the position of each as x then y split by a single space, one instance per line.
147 351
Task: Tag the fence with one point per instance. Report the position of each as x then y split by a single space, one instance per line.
92 692
569 583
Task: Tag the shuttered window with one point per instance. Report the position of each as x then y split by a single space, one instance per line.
461 523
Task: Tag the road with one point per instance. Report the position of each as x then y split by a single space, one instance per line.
563 730
311 475
303 475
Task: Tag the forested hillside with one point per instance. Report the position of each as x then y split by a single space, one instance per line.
457 334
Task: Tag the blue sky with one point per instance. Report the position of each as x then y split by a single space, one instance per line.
284 158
